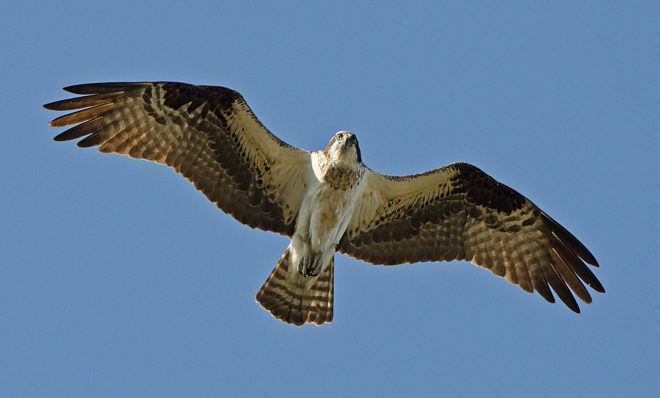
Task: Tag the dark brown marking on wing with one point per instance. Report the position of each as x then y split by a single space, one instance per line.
470 216
185 127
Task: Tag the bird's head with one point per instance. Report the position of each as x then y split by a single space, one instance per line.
343 147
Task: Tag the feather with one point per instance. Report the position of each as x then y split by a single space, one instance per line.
459 212
135 119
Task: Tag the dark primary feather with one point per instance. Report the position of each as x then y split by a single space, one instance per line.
200 131
112 87
460 212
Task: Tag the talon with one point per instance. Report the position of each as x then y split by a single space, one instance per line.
310 267
315 265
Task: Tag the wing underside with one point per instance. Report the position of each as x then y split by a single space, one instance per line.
207 134
460 213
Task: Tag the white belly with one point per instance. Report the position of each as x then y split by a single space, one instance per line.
330 212
322 220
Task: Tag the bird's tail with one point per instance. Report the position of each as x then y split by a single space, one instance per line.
294 298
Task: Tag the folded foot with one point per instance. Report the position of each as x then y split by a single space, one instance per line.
310 265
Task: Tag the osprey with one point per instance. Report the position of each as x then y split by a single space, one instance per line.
327 200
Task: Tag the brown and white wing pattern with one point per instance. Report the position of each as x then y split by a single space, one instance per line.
207 134
459 212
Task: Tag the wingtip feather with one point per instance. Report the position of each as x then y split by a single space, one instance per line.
571 241
51 106
100 88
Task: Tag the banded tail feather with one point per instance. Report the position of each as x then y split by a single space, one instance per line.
297 299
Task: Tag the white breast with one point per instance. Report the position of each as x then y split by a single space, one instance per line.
330 209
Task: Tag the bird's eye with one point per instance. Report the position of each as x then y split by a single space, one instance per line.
353 140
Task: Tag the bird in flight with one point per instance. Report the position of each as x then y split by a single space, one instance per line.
327 200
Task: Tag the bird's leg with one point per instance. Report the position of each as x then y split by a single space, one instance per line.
316 264
310 264
301 265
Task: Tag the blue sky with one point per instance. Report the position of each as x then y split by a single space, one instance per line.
118 279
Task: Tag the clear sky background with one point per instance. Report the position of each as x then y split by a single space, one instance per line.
119 279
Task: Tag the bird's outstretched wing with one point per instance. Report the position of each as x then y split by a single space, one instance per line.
459 212
207 134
